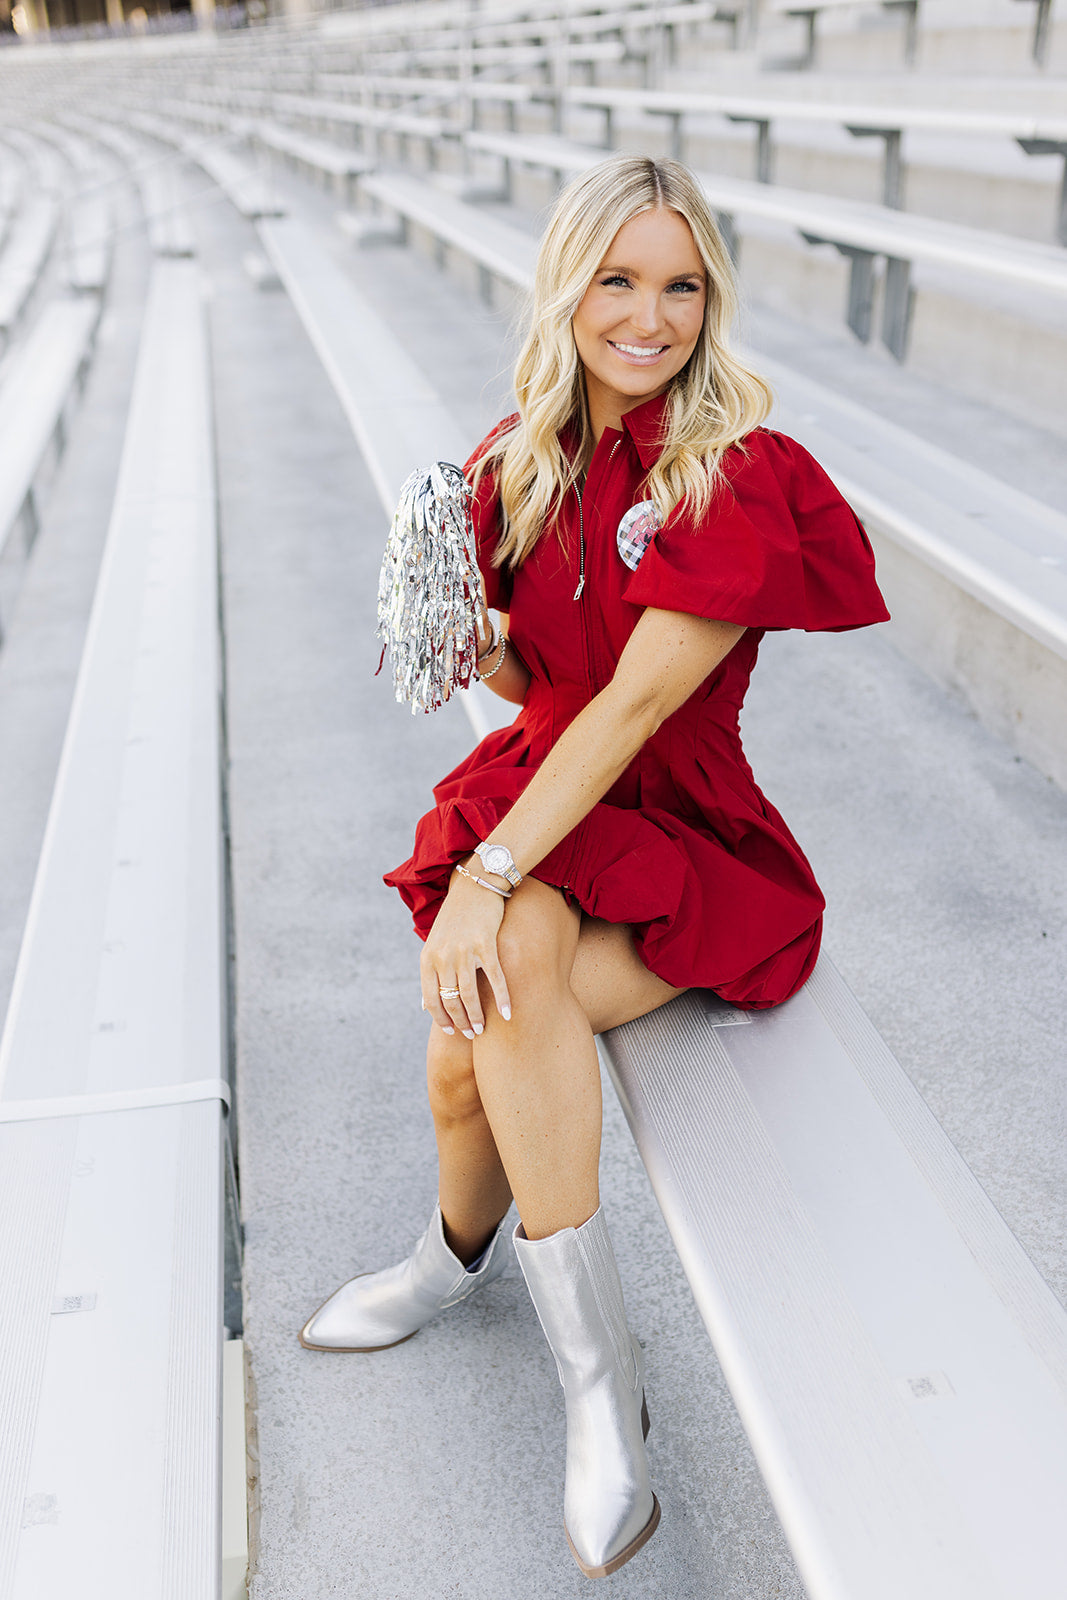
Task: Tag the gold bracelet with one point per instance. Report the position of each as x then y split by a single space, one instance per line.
500 660
505 894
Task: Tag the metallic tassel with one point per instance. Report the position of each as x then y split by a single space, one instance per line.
429 592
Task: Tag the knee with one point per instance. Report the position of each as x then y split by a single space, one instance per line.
450 1079
532 954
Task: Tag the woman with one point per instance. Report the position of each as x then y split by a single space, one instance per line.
638 529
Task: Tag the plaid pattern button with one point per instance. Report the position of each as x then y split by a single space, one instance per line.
636 532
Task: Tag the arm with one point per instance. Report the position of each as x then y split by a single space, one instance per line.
513 678
668 656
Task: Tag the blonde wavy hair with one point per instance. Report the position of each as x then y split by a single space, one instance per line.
715 400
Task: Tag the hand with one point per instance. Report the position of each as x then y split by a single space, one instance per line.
462 942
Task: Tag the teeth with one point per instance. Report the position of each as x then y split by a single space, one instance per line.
640 349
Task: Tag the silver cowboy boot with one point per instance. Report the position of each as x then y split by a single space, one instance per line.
380 1309
609 1510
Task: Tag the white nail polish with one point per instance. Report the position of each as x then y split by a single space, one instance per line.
467 1034
448 1030
479 1030
506 1013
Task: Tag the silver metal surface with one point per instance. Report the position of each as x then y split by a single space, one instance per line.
384 1308
573 1281
112 1063
900 1366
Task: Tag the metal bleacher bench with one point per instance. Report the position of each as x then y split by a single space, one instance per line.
1035 134
113 1078
863 233
24 257
247 189
330 161
808 12
899 1364
39 384
162 200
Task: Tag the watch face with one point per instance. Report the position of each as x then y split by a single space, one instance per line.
496 857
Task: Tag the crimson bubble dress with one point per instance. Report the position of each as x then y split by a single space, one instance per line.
684 848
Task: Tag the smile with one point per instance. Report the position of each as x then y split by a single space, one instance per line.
643 353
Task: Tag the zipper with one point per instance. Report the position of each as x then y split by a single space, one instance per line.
581 525
581 551
588 644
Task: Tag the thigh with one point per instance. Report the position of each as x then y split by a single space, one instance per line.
611 982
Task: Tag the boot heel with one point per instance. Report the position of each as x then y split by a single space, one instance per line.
645 1424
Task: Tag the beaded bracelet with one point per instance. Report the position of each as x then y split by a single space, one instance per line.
500 660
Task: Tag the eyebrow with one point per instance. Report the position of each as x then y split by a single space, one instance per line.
632 272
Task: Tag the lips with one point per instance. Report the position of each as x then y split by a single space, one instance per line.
638 354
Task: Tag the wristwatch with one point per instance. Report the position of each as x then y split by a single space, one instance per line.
498 858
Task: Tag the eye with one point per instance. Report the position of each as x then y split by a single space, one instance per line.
684 286
616 278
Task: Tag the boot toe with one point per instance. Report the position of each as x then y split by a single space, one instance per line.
598 1554
347 1323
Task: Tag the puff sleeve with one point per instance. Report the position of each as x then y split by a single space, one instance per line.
485 511
780 547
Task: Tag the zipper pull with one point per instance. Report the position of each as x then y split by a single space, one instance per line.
581 586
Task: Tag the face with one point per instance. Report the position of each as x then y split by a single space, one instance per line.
640 319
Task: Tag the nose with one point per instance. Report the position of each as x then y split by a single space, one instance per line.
645 315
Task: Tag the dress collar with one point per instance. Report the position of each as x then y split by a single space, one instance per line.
645 425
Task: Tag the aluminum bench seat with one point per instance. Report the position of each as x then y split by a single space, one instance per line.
247 189
499 248
1034 131
112 1073
162 198
351 115
24 258
898 1362
89 237
320 156
39 383
861 232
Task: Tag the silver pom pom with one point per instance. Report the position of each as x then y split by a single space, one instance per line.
429 592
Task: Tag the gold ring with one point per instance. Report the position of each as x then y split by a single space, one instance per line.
449 994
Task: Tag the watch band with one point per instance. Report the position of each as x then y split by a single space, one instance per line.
498 858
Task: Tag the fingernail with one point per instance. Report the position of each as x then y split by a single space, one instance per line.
424 1005
448 1030
478 1028
506 1013
467 1034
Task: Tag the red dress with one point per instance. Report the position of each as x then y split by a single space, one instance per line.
684 847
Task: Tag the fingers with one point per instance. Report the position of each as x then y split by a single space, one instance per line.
499 985
455 1005
432 1000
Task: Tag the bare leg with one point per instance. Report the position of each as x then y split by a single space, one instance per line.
539 1091
473 1188
538 1075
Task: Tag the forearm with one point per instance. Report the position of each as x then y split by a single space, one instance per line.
511 680
581 767
666 659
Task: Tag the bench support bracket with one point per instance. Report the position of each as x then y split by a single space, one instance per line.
893 167
1052 147
807 16
860 284
764 148
910 8
897 304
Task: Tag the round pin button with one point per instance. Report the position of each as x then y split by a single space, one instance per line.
636 532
